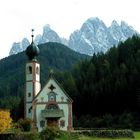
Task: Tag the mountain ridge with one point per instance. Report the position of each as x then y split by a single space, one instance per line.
93 37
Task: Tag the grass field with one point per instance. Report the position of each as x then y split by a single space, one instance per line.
137 137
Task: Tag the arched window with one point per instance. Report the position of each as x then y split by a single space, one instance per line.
29 94
52 96
62 123
29 70
37 70
42 123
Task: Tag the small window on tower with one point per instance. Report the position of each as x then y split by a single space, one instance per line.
30 70
42 123
29 110
37 70
29 94
62 123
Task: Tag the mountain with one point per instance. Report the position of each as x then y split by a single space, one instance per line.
19 46
93 37
52 55
48 35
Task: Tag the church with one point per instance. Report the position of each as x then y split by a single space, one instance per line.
49 105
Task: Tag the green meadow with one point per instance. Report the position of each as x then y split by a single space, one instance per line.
137 137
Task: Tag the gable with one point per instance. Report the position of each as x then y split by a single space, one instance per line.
52 87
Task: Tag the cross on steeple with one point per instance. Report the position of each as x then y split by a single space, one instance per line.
32 34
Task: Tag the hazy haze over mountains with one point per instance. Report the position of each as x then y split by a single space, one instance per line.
93 37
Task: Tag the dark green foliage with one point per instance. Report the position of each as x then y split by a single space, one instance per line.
32 136
12 73
108 83
12 103
27 136
23 136
123 121
25 124
107 133
50 133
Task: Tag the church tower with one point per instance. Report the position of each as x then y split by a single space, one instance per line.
32 79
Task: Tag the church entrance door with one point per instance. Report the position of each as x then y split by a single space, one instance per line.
52 122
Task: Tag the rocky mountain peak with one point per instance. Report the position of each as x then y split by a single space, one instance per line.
93 37
114 23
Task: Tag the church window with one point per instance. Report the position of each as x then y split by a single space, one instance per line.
29 110
42 123
29 94
62 98
62 123
37 70
52 87
42 98
52 96
30 70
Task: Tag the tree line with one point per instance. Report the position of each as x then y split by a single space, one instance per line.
102 87
107 84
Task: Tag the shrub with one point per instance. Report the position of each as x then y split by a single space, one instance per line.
32 136
25 124
5 120
50 133
107 133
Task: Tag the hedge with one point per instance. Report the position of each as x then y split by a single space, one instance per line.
20 136
106 133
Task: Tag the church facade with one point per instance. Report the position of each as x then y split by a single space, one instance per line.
47 106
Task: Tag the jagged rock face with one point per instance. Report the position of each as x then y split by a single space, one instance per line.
64 41
19 46
16 47
94 36
48 36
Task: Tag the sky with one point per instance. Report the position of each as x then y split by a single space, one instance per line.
18 17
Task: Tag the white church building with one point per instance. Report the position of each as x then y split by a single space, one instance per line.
47 106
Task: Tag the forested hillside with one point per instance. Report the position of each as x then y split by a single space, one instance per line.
107 84
12 70
105 89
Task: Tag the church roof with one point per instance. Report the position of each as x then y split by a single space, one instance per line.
32 50
51 76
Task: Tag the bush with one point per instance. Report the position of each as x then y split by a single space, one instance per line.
50 133
32 136
20 136
5 120
25 124
107 133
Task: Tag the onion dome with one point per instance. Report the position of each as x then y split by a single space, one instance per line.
32 50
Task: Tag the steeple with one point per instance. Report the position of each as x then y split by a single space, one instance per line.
32 50
33 85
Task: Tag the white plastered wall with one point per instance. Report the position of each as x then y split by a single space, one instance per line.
61 103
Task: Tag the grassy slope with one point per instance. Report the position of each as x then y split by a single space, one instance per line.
137 137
